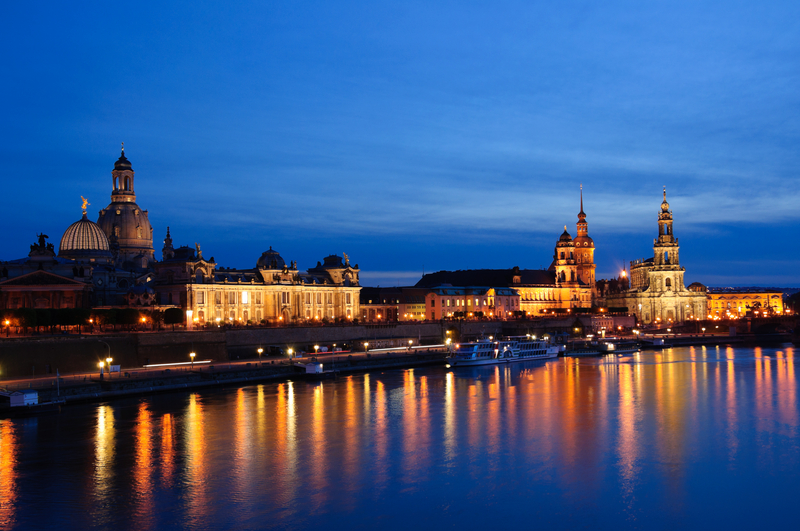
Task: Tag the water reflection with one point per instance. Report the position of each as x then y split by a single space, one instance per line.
143 468
104 469
8 473
196 468
627 435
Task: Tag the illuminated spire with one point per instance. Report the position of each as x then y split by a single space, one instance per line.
123 148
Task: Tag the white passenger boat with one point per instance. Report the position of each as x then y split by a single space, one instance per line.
485 352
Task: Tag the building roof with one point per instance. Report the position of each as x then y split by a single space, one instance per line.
488 277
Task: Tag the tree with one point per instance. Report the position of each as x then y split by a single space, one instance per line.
128 316
26 317
44 318
158 318
173 316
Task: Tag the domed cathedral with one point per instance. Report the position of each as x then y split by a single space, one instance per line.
584 251
127 226
657 292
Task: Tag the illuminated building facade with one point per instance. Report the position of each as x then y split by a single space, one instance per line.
273 291
657 292
730 303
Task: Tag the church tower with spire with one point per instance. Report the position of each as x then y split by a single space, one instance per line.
584 250
124 223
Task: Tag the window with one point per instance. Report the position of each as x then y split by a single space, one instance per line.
284 297
319 298
258 301
218 297
232 297
308 298
347 298
245 297
201 297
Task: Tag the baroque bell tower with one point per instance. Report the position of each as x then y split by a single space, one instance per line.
665 247
584 250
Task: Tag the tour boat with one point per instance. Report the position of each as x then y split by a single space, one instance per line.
619 347
485 352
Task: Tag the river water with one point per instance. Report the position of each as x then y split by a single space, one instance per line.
694 438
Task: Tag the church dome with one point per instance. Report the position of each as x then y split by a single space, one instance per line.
122 163
84 240
583 240
565 237
270 260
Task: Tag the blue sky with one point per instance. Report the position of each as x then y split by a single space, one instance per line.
413 135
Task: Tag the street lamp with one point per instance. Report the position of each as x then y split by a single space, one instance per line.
704 330
101 369
290 353
316 349
260 351
366 344
192 355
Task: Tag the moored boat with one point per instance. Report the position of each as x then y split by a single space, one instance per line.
486 352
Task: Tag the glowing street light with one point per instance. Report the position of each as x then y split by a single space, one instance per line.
316 349
290 351
100 365
366 345
192 355
260 351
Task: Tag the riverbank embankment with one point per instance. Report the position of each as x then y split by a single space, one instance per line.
131 383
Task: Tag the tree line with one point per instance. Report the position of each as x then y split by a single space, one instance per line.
56 320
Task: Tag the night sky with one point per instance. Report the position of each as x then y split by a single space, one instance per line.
413 135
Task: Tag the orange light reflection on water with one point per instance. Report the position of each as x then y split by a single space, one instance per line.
8 474
143 468
104 469
197 499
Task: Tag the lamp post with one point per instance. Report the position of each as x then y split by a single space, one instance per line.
101 368
260 351
410 342
8 327
192 355
366 344
290 351
704 330
316 349
108 362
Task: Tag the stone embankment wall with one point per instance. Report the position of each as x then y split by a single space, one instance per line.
38 356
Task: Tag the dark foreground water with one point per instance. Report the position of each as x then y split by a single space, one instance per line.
690 438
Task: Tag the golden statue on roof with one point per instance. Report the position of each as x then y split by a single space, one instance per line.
85 204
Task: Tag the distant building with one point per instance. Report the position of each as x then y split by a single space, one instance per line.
569 282
273 291
657 293
732 302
